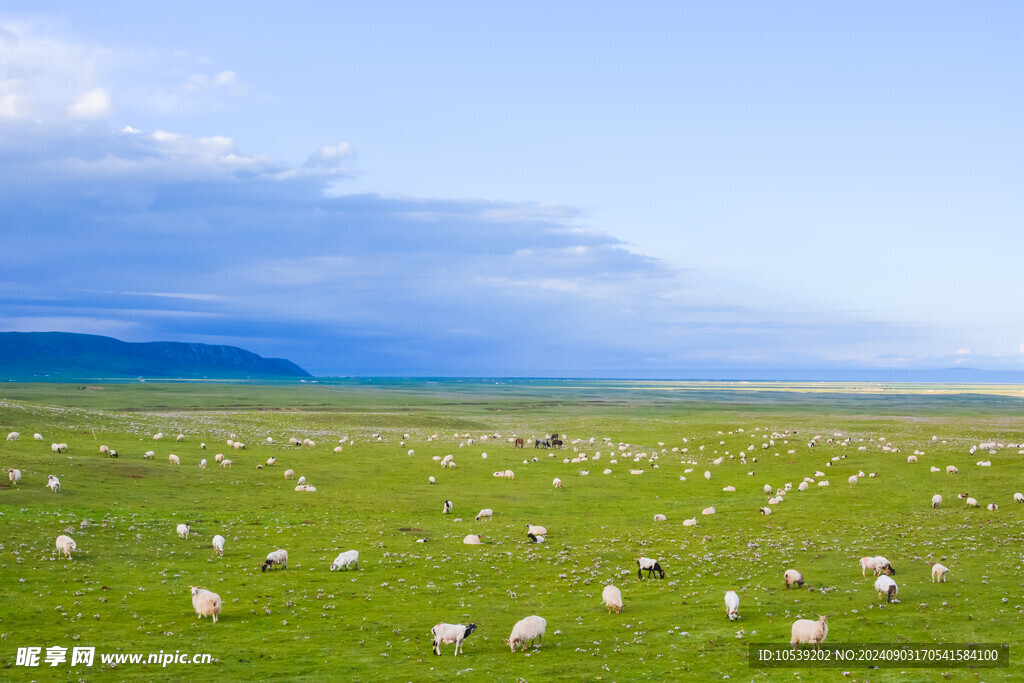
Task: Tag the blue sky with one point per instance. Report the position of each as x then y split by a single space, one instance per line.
456 188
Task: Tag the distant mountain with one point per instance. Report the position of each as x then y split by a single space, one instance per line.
65 356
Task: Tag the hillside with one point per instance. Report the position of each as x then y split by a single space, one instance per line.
65 356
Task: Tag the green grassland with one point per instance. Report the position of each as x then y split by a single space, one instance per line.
127 588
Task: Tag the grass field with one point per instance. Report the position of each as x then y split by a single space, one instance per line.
126 590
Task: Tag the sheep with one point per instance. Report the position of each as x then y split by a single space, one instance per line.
431 480
446 634
53 483
66 544
486 513
202 464
14 475
972 503
1018 497
536 530
289 474
936 501
951 469
933 468
338 449
219 457
732 605
58 447
180 437
887 587
238 446
149 455
509 474
808 631
690 522
823 482
792 577
911 458
529 629
473 539
447 508
270 461
158 436
768 489
535 538
766 511
305 487
218 545
708 510
852 480
660 517
202 446
174 460
276 558
225 463
184 530
729 489
349 558
103 450
302 480
556 482
992 507
802 487
939 573
206 603
707 475
37 437
650 565
612 597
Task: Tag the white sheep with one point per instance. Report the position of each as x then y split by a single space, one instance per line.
732 605
338 449
808 631
104 450
486 513
707 475
206 603
446 634
66 544
288 474
302 480
180 437
14 475
878 564
536 530
534 538
270 461
349 558
447 507
509 474
225 463
660 517
218 545
992 507
852 480
972 503
690 522
612 597
473 539
911 458
793 577
158 436
650 565
305 487
939 573
219 457
708 510
277 558
823 482
53 483
1018 497
766 511
37 436
59 447
886 587
936 501
202 464
556 482
184 530
149 455
431 480
933 468
529 629
729 489
768 489
951 469
238 446
174 460
202 446
802 487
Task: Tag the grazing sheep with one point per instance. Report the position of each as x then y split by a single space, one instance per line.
536 530
302 480
149 455
852 480
933 468
529 629
59 447
766 511
219 457
486 513
206 603
509 474
103 449
53 482
936 501
660 517
612 597
225 463
13 436
646 563
174 460
288 474
66 544
184 530
823 482
270 461
887 587
808 631
202 464
535 538
708 510
238 446
447 507
972 503
473 539
877 564
446 634
202 446
1018 497
349 558
180 437
802 487
707 475
158 436
556 482
732 605
792 577
992 507
431 480
911 458
277 558
950 469
939 573
37 437
15 476
768 489
218 545
338 449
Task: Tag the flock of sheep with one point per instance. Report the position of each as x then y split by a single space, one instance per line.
531 629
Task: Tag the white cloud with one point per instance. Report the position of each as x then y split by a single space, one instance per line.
91 105
1022 347
330 156
226 81
963 352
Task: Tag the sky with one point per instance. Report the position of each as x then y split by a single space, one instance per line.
402 188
